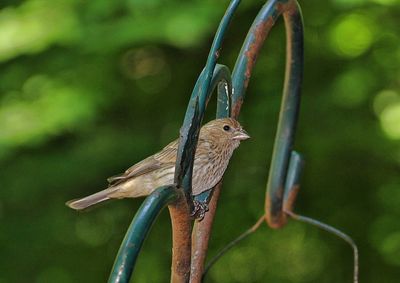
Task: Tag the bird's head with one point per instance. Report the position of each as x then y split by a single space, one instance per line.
225 131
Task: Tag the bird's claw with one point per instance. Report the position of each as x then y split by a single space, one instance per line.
199 210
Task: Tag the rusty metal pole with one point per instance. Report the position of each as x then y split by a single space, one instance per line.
245 63
290 106
188 255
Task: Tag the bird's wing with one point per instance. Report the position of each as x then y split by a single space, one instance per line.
165 158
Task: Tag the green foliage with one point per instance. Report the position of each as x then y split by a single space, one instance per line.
87 88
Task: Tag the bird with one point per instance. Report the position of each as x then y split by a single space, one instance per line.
217 141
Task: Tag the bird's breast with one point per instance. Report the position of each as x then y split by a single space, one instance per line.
208 169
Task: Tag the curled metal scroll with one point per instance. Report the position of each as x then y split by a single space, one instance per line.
286 165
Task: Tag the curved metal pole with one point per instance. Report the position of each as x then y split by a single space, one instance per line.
137 232
201 230
292 186
223 80
183 263
291 93
240 78
188 139
196 108
187 146
154 203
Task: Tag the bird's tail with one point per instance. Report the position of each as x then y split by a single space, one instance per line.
82 203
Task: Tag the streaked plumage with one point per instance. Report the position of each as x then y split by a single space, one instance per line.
217 141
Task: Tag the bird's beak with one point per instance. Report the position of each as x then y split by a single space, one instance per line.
241 135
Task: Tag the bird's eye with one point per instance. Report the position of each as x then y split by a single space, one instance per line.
227 128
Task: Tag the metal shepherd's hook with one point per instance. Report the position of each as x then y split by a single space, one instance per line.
189 248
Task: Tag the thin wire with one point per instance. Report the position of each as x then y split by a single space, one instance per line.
334 231
298 217
230 245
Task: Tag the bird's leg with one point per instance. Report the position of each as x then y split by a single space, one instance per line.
199 210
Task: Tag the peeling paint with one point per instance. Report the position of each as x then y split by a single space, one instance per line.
227 95
291 199
275 218
260 32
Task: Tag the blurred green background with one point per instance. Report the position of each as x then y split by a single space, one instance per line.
87 88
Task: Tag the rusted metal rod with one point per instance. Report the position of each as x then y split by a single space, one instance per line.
181 248
240 79
137 233
241 74
214 75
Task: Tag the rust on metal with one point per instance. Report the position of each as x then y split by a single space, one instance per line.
181 240
217 53
236 108
274 219
280 7
200 238
260 33
288 204
288 8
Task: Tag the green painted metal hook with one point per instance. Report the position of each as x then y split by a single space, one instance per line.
290 105
197 105
138 231
213 76
218 76
161 197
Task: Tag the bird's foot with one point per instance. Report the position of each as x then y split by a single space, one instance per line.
199 210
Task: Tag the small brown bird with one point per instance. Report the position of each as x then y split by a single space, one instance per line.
217 141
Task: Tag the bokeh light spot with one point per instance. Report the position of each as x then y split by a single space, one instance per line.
390 248
387 108
148 67
26 29
381 227
386 2
348 3
351 36
184 29
383 99
389 196
390 120
96 230
44 107
351 88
